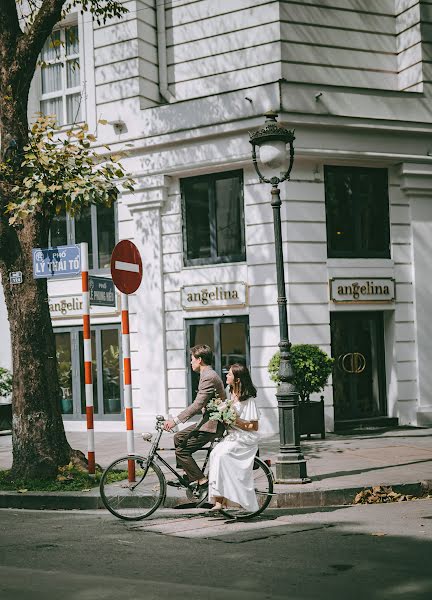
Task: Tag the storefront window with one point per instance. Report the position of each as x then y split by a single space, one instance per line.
357 209
94 372
64 365
213 218
107 380
229 339
111 371
94 225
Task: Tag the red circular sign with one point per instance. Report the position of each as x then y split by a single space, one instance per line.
126 267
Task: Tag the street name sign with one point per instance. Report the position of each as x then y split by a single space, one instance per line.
102 291
56 262
126 267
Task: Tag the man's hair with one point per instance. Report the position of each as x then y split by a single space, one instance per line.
204 352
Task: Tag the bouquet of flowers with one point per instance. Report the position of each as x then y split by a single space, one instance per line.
221 410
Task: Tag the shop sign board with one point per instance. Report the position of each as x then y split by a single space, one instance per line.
362 290
56 262
214 295
101 291
70 306
126 267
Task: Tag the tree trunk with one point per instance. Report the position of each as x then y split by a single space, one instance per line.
38 437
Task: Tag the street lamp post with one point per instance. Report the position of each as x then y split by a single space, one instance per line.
272 157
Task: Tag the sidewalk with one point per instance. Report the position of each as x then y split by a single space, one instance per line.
339 466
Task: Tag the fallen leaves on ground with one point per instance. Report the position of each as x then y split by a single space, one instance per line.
380 494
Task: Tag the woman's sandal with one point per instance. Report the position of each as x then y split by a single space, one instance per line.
218 506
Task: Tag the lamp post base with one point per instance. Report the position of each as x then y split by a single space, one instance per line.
291 469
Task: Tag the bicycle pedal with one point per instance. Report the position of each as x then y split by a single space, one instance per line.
176 484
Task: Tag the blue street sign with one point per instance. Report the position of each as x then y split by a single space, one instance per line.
53 263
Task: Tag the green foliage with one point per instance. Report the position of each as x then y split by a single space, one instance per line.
312 368
69 478
101 10
5 383
61 173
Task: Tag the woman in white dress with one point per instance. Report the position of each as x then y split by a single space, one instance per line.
231 461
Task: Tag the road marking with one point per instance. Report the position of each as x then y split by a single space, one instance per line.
126 266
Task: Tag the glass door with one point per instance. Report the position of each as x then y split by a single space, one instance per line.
64 362
359 370
228 337
106 372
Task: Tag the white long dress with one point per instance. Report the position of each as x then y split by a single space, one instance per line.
231 461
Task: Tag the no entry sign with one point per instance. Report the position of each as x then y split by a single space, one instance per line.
126 267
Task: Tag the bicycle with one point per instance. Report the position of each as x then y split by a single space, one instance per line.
133 487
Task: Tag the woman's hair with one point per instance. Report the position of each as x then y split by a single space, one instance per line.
247 388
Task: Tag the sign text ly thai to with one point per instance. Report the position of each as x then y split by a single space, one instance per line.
53 263
362 290
195 297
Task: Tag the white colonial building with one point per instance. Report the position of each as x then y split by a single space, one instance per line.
181 84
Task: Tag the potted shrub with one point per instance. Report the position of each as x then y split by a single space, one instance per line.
312 368
5 399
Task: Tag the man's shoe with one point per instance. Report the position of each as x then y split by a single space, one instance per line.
178 484
203 487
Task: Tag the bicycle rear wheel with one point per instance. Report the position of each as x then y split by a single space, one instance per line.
131 489
263 484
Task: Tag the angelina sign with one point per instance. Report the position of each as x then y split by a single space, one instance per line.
70 306
217 295
362 290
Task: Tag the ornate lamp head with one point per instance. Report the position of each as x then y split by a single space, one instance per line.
273 156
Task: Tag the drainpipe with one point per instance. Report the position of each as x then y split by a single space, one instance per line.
162 54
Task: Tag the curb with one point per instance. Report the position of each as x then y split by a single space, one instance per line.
338 497
301 499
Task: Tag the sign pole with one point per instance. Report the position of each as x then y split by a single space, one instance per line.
127 384
87 359
126 272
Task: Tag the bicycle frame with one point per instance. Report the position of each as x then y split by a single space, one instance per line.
154 454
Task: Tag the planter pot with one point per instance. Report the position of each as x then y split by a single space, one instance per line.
67 406
112 405
311 416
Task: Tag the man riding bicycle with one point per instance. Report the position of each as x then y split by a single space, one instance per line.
186 442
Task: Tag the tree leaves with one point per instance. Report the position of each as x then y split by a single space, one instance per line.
380 494
62 172
311 369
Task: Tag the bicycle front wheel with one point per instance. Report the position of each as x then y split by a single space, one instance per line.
263 486
131 489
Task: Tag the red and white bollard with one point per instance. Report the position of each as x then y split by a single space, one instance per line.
127 383
88 378
126 271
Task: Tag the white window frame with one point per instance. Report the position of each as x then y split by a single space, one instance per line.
64 92
70 234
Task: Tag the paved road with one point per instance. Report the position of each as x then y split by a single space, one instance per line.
374 552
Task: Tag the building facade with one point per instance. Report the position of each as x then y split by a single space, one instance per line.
180 84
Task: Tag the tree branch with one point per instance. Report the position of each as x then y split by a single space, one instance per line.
32 42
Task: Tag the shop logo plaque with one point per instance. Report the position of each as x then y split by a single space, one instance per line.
362 290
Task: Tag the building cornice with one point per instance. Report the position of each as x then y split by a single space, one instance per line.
416 179
150 192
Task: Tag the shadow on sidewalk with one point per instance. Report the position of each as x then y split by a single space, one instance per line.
368 470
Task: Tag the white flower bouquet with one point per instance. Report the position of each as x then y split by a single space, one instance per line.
221 410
